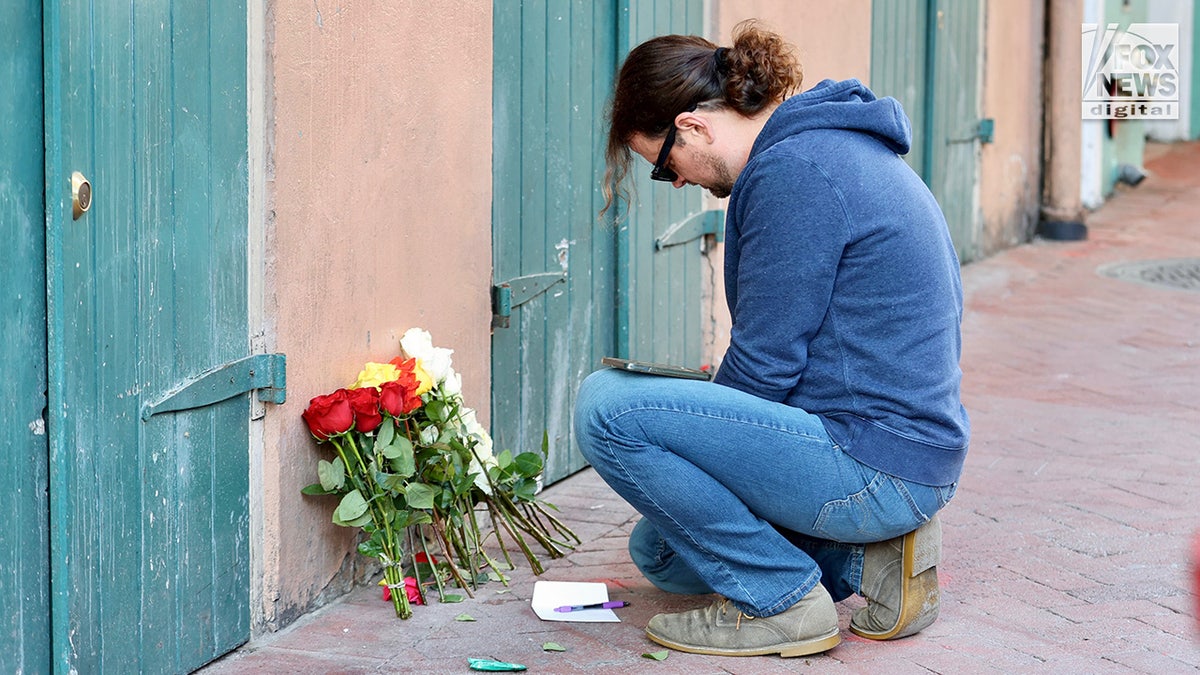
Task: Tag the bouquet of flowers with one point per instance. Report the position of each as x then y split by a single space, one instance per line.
416 472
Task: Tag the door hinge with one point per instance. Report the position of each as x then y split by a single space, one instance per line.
264 372
693 227
985 132
516 292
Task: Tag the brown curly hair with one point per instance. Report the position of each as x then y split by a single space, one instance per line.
667 75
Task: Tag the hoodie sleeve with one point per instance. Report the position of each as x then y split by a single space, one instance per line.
788 230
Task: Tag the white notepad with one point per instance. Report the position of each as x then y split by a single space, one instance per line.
550 594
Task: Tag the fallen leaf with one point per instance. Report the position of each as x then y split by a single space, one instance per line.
464 617
657 656
553 647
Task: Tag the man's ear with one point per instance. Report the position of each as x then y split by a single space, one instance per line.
696 123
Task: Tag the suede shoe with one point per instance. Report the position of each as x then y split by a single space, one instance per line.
807 627
899 581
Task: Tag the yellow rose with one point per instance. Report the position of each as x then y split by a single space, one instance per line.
375 374
423 378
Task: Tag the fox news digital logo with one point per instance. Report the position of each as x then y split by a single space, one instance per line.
1130 73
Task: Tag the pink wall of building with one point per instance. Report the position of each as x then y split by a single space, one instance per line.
832 39
378 219
1011 166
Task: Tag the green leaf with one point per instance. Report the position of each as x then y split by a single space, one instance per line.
545 442
452 598
504 459
350 510
553 647
385 434
657 656
496 576
362 521
436 410
373 546
524 489
398 447
316 489
527 464
419 495
404 464
419 518
332 474
464 617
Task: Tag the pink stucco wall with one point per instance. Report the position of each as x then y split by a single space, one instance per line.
1011 166
379 219
833 39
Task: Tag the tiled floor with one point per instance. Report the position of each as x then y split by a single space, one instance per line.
1065 550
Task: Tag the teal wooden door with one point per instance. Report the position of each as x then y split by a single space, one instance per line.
926 54
554 64
146 293
666 236
570 289
24 540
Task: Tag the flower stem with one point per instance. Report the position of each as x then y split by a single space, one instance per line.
438 526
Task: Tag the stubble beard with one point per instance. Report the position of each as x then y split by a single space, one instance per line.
723 178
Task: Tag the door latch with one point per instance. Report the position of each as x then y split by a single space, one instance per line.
264 372
516 292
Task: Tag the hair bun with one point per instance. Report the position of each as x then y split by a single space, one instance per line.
720 59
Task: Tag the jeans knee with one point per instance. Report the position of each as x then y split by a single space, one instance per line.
592 402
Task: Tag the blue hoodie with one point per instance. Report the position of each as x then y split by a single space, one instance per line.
844 286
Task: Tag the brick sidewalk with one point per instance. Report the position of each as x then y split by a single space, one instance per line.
1065 549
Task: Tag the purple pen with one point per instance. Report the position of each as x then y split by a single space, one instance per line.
600 605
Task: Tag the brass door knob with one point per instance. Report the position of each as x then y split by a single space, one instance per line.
81 195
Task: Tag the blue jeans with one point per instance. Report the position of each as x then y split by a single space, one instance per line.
740 496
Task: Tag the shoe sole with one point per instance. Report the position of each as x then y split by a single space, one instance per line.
923 585
786 649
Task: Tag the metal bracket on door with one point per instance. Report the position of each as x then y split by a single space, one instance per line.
693 227
985 132
516 292
264 372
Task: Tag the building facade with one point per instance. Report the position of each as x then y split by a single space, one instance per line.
216 213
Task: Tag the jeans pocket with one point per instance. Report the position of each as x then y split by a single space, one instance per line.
881 510
945 493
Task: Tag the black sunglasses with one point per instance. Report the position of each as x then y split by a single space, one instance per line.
660 170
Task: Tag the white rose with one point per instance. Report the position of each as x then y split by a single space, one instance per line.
417 343
437 364
434 360
452 386
474 429
429 435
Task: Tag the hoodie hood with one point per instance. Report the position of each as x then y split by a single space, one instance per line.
847 105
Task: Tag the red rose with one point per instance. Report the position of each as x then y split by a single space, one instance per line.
399 397
365 403
411 590
329 415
